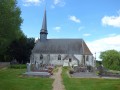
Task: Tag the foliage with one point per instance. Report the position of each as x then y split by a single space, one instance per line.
113 71
71 71
11 79
55 69
98 63
111 59
66 68
10 22
18 66
21 49
89 83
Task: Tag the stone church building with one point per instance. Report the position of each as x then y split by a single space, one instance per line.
64 52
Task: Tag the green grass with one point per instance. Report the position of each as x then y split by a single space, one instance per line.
55 69
11 79
89 83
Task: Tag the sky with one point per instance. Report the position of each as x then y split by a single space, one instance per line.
95 21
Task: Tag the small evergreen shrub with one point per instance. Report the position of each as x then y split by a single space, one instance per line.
71 71
18 66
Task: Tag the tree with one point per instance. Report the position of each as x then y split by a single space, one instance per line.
21 49
111 59
10 22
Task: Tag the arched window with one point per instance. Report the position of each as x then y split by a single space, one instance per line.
59 57
41 57
87 58
70 59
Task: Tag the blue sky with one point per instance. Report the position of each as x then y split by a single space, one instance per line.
95 21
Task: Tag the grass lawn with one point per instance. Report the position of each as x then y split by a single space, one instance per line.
11 79
89 83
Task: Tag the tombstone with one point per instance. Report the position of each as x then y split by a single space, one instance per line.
89 68
28 67
33 67
100 70
36 66
14 61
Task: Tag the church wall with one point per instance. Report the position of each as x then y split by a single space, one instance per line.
79 57
53 59
90 61
49 58
45 59
36 58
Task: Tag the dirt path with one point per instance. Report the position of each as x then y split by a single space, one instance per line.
57 84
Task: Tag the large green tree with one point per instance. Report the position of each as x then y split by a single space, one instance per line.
10 22
111 59
21 49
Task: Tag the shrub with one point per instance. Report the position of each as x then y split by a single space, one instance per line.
71 71
18 66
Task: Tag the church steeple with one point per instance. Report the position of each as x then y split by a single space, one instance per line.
43 32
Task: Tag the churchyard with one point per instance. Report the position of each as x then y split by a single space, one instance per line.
13 79
89 83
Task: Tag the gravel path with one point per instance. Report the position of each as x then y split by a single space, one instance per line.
58 84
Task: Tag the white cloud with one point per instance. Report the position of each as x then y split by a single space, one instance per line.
60 3
113 34
57 28
32 2
111 42
87 34
56 2
80 28
111 21
52 6
74 18
118 12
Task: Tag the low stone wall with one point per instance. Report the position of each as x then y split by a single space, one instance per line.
4 64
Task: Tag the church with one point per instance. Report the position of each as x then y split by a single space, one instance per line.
63 52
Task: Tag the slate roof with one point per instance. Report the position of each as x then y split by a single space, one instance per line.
62 46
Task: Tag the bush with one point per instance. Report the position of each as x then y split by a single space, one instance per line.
111 59
71 71
18 66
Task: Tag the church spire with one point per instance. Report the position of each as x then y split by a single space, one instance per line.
43 32
44 24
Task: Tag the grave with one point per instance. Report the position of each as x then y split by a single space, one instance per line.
83 68
39 69
103 72
83 71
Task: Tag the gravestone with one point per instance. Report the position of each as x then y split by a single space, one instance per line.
100 70
37 66
28 67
